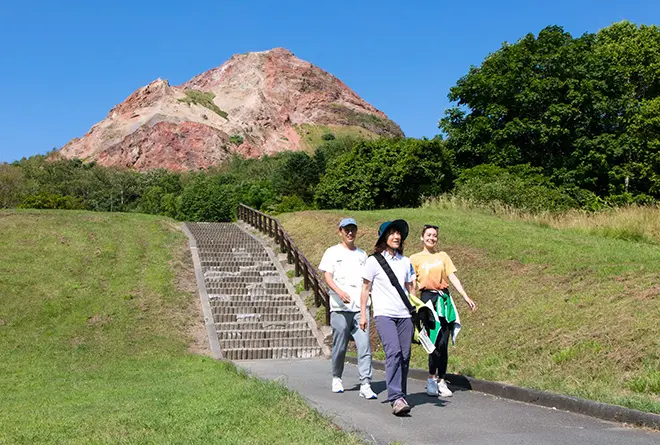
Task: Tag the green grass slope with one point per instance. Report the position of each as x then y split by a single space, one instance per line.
311 135
558 310
95 323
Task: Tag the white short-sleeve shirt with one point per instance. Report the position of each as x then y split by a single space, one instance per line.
385 299
346 267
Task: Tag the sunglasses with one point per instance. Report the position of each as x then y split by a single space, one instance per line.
429 226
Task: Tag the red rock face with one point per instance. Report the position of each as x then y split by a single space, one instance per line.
262 97
185 146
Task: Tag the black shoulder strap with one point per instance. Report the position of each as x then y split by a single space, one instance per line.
390 274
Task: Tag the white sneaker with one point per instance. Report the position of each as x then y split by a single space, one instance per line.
432 387
367 392
443 390
336 385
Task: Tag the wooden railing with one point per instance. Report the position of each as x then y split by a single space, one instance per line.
272 227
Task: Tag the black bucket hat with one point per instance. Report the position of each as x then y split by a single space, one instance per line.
399 224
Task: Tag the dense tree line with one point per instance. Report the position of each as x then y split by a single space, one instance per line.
341 173
585 111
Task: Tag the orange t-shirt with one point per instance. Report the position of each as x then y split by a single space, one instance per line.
432 269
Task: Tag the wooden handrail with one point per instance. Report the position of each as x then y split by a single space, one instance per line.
272 227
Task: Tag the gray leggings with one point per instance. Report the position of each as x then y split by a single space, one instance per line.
344 326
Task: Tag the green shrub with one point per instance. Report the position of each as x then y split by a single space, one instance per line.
169 205
236 139
295 173
626 199
386 173
521 187
328 137
204 99
44 200
12 186
376 124
258 195
332 149
206 199
292 203
151 200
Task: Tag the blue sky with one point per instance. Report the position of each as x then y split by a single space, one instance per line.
63 65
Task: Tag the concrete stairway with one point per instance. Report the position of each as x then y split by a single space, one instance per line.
255 314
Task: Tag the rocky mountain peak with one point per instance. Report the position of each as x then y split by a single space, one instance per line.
253 104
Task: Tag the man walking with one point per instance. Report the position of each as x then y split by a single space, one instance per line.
342 266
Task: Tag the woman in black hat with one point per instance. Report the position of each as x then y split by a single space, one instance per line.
393 318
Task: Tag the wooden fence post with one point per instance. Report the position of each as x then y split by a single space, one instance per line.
327 310
296 261
289 253
316 291
305 275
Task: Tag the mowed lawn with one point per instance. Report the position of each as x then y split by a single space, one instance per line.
559 310
97 316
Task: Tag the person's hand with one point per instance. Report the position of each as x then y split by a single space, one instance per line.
470 303
363 321
344 296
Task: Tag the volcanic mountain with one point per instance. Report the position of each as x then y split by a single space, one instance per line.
254 104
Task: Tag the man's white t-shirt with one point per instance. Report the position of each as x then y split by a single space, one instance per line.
386 300
346 267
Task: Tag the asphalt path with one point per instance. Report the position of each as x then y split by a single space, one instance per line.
469 417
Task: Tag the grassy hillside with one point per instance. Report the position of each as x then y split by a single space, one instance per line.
559 309
312 134
97 315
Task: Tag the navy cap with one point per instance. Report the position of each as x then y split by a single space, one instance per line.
347 222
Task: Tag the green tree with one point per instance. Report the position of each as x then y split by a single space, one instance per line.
296 174
12 185
206 199
579 108
385 173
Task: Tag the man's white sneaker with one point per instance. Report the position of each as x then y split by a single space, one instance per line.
336 385
443 390
367 392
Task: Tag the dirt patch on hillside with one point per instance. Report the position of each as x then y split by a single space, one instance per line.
185 282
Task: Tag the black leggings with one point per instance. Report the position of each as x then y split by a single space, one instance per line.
438 360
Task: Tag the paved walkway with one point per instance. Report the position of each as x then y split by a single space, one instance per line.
467 418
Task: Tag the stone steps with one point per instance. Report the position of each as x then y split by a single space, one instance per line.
249 334
262 317
250 324
219 299
272 353
254 315
300 342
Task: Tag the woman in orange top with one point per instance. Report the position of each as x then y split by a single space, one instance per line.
434 270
